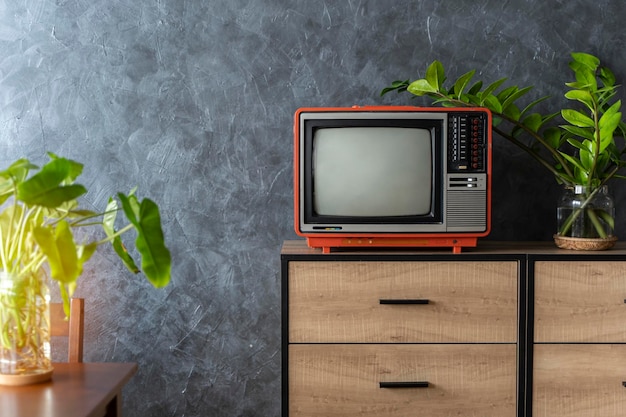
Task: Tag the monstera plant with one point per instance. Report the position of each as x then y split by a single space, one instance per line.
575 144
43 235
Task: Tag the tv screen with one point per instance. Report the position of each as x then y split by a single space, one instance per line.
372 171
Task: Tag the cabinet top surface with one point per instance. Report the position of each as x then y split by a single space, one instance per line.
299 248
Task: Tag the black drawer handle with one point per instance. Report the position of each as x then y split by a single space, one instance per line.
402 301
416 384
624 383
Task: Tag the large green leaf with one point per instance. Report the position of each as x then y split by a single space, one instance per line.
74 169
150 243
59 247
45 187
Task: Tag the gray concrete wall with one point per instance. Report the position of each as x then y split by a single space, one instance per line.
192 101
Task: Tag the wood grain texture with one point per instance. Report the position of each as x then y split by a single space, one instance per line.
580 301
343 380
340 301
579 380
71 327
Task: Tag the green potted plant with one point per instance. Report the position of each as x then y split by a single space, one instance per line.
576 145
41 237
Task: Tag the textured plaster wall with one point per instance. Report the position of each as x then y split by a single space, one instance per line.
192 101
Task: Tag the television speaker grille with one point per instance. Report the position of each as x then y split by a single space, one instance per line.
466 210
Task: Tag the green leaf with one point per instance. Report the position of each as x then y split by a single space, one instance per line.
552 135
576 118
399 86
45 187
435 75
586 133
608 123
586 79
586 158
461 83
607 77
607 120
74 168
59 247
512 111
582 96
575 162
491 88
533 122
155 257
492 103
85 251
587 60
18 170
108 224
15 174
420 87
504 94
533 104
515 96
475 88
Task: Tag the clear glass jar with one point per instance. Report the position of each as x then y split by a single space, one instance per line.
25 328
585 212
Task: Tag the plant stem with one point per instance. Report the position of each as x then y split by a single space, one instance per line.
591 214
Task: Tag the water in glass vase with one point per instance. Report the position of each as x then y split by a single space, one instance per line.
585 212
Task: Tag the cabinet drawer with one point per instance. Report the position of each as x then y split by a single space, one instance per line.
579 380
580 301
344 380
461 302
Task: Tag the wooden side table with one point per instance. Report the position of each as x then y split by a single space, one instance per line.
76 389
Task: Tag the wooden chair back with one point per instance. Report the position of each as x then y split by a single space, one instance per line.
72 328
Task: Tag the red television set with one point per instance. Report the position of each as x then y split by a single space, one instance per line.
392 176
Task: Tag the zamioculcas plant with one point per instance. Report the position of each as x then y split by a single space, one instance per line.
577 145
41 226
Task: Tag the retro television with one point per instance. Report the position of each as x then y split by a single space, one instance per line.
392 176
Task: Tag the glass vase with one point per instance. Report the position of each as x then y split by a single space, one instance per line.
586 213
25 332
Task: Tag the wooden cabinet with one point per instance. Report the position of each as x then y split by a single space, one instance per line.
579 350
502 330
385 334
